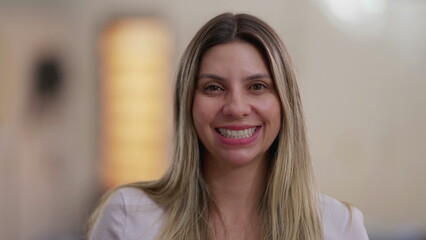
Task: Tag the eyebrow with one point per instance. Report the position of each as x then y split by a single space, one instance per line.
257 76
219 78
211 76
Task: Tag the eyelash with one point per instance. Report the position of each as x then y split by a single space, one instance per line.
253 87
213 88
261 85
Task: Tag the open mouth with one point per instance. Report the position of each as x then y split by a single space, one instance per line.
237 134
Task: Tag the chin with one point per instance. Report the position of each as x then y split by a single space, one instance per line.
240 159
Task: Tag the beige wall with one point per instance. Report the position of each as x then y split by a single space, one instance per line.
47 156
365 105
363 95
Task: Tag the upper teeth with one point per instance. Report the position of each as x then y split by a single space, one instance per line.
237 134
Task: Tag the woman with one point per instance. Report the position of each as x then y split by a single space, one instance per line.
241 167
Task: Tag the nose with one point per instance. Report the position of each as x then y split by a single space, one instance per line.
237 105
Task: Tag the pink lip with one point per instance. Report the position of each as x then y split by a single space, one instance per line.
241 141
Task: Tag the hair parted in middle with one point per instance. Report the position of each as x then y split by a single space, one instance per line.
288 208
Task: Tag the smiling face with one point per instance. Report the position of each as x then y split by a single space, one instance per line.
236 110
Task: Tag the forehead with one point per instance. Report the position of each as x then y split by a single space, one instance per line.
231 57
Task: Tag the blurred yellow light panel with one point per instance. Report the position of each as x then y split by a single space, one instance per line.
136 128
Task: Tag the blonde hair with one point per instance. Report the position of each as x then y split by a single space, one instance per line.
288 208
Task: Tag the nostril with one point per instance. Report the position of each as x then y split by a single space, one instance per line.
237 107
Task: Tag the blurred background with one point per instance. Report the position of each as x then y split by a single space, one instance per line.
85 102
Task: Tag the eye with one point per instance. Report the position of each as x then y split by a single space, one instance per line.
213 88
258 86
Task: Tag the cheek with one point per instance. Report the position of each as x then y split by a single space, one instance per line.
270 109
196 114
203 111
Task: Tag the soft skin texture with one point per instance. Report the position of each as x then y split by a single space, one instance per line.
131 215
235 91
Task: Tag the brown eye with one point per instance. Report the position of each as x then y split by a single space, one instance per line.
213 88
257 87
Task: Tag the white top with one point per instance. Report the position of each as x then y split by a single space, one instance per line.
130 214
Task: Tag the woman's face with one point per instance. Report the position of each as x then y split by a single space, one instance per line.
236 109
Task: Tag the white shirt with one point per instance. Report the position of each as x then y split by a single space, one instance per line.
130 214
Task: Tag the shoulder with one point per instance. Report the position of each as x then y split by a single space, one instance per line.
341 221
128 214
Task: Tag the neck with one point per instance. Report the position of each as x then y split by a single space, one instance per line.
236 190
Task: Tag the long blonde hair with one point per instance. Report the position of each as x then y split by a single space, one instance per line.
288 208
